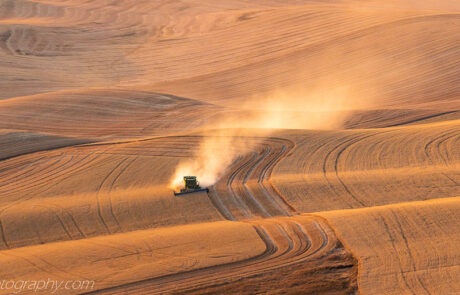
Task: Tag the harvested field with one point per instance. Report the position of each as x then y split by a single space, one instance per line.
326 132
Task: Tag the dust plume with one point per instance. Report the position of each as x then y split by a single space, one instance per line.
215 154
235 134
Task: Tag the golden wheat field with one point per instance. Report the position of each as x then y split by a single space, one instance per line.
327 135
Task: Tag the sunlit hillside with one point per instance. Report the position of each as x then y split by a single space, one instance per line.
326 132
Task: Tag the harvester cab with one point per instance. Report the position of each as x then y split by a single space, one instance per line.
190 186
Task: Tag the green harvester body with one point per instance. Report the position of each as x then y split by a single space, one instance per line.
191 186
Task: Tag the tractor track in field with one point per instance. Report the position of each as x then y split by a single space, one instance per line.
245 194
246 191
28 184
99 202
339 150
437 141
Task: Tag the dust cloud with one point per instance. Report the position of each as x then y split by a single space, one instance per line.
234 134
214 155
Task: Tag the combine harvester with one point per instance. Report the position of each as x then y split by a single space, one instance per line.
191 186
